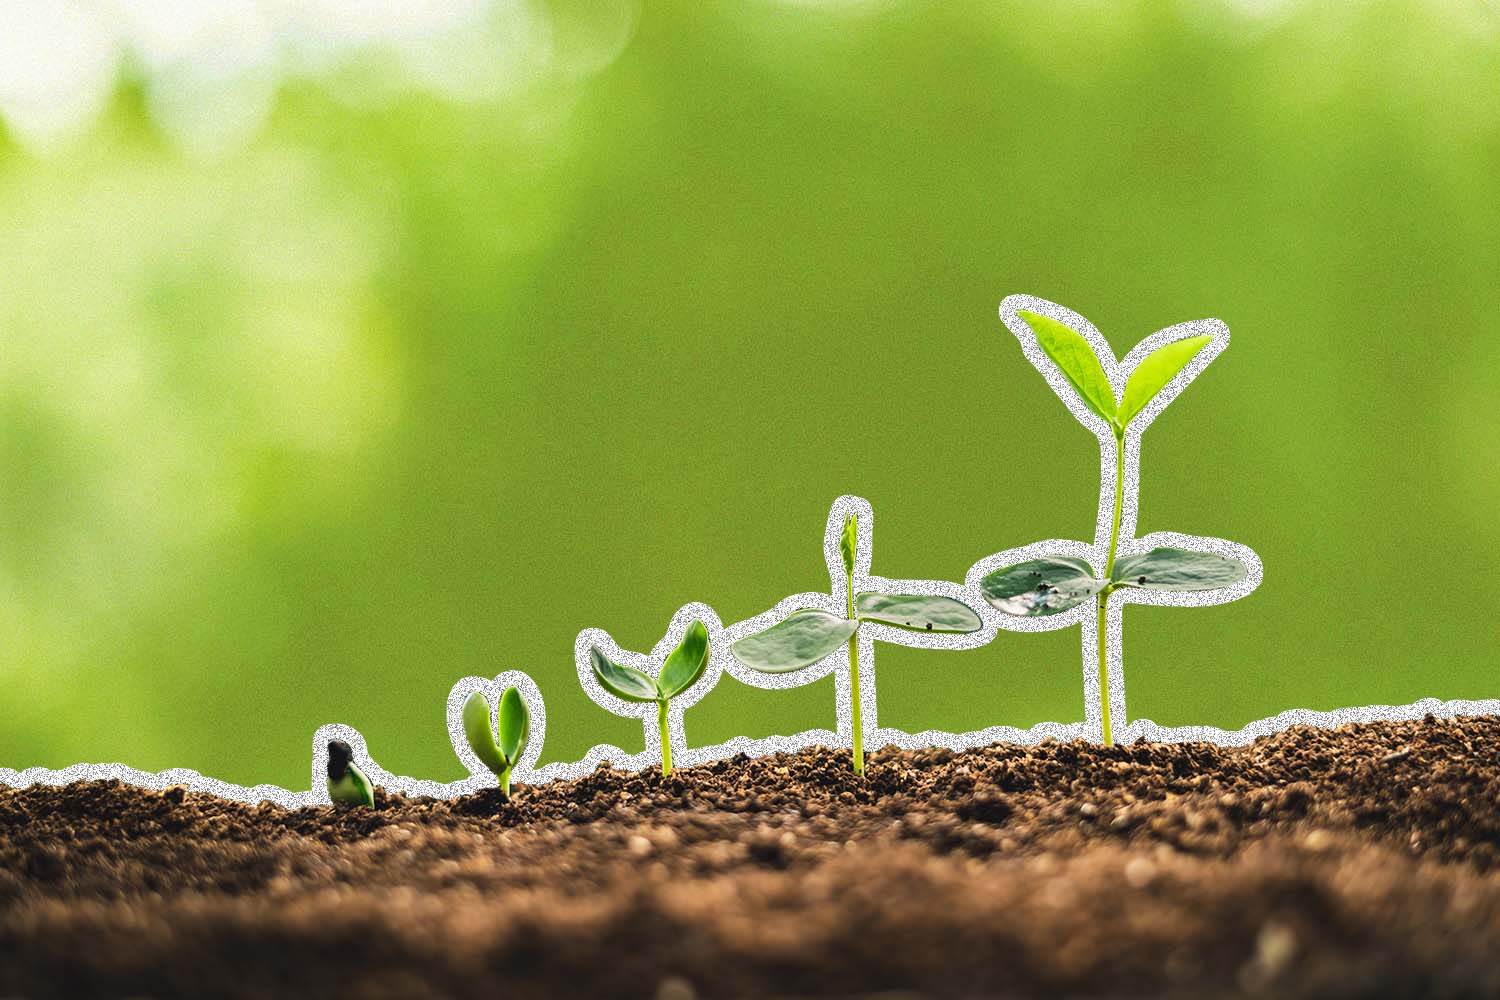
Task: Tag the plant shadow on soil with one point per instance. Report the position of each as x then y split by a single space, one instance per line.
1362 861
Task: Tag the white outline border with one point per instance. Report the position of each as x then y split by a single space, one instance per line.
721 636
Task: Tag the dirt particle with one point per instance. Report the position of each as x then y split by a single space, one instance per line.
1275 947
1139 872
676 988
1318 840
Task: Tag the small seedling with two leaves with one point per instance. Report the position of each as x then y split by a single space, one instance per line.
500 750
1056 584
347 784
681 670
810 635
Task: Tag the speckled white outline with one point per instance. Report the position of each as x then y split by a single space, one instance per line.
650 664
1118 373
721 637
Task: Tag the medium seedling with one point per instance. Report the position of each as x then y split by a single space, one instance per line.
681 670
808 636
1054 585
347 784
498 754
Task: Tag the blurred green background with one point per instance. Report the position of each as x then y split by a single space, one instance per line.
340 360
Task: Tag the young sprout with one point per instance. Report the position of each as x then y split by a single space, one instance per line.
683 666
810 635
499 755
347 784
1056 584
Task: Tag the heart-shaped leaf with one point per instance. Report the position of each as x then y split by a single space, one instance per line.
515 724
1155 371
686 663
920 612
804 638
1076 358
480 734
1178 569
1041 587
622 681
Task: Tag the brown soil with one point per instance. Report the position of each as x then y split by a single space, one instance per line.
1361 862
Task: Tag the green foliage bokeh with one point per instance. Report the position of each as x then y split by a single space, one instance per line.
306 431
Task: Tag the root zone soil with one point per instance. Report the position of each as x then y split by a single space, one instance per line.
1362 861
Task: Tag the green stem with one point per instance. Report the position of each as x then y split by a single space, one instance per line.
857 720
1109 573
505 783
666 742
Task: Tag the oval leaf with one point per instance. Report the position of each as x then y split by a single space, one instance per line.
1178 569
480 734
1076 358
920 612
804 638
1041 587
515 724
620 680
1155 371
686 663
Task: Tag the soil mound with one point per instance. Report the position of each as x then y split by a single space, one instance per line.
1357 862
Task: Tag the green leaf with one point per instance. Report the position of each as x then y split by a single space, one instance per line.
686 663
920 612
1075 356
622 681
804 638
1155 371
481 736
515 725
1041 587
848 542
1178 569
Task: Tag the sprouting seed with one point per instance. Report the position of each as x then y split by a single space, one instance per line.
347 784
499 755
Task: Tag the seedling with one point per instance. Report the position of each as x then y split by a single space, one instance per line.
681 670
1056 584
347 784
499 755
810 635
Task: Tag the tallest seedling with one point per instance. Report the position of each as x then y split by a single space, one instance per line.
1057 584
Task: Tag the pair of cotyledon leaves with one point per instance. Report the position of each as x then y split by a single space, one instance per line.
804 637
1056 584
1050 586
683 666
498 754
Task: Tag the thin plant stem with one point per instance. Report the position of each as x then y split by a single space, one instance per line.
1109 572
505 783
666 742
857 720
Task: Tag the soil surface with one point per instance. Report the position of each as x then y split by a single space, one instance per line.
1358 862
